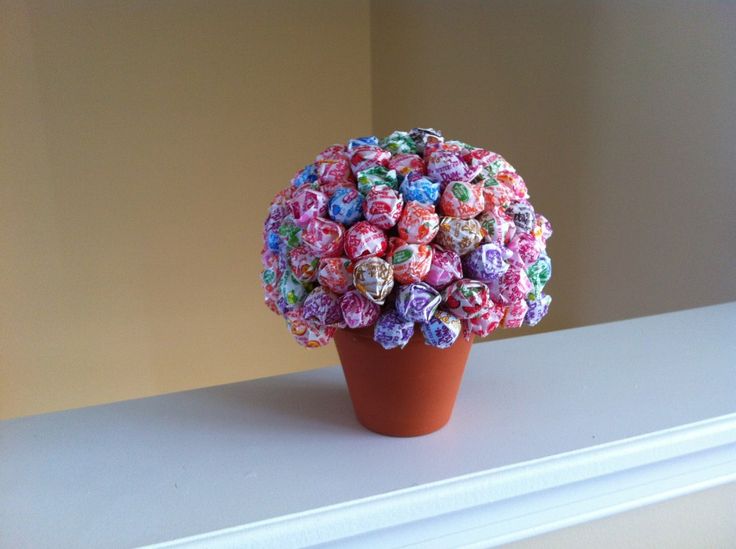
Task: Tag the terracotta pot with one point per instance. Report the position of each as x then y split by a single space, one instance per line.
402 392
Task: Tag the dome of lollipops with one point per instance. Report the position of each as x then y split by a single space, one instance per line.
404 234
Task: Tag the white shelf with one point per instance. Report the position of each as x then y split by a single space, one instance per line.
549 430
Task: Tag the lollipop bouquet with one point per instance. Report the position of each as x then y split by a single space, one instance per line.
403 234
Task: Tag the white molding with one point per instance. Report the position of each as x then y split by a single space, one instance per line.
509 503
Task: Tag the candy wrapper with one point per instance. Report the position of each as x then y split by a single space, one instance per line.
291 291
538 308
466 298
486 263
522 215
514 314
303 264
383 207
417 302
420 189
399 143
365 240
418 223
461 236
358 311
463 200
404 164
392 331
446 268
445 167
370 140
306 334
305 176
513 286
346 206
290 233
322 307
423 136
374 278
368 156
514 185
496 227
375 177
324 238
526 247
306 205
542 228
336 274
539 273
334 171
442 330
486 322
333 152
411 262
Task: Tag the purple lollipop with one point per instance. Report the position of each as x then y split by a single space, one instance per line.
392 331
417 302
322 307
486 263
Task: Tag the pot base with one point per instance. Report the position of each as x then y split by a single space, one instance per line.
401 392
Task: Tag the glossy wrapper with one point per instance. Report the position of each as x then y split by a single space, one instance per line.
514 314
522 214
368 156
303 264
323 237
370 140
382 207
514 184
276 215
334 171
478 159
446 267
466 298
358 311
542 227
399 143
322 307
291 291
333 152
538 308
404 164
365 240
273 242
461 236
422 136
346 206
290 233
486 263
375 177
336 274
526 246
374 278
306 334
417 302
539 273
462 200
446 167
513 286
392 331
485 323
306 205
496 227
418 223
305 176
442 330
420 189
410 262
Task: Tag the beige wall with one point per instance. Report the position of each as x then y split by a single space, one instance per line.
621 116
136 163
140 144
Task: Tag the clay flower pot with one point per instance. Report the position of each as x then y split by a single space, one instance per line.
401 392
